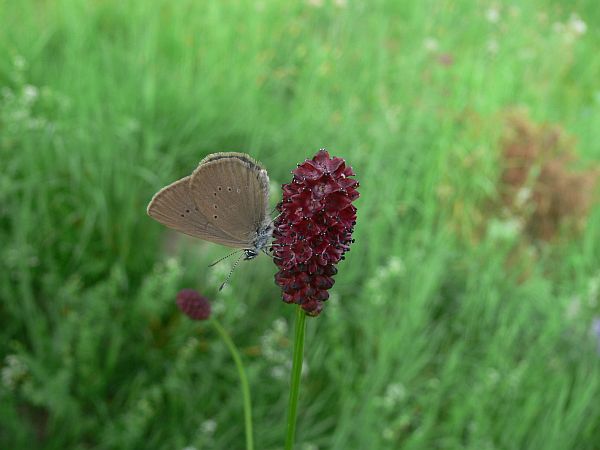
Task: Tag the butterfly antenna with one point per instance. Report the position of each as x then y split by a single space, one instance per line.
224 257
265 251
237 261
273 219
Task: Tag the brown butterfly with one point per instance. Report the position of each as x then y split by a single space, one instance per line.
225 201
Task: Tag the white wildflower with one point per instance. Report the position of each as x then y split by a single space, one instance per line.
13 372
208 427
393 269
280 326
504 230
396 266
30 93
394 394
278 373
305 369
523 196
492 15
430 44
577 25
274 345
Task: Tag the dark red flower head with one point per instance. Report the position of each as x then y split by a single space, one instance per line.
314 229
193 305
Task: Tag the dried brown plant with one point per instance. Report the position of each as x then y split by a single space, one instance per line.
540 183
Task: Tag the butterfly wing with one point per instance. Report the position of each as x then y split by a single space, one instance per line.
173 206
232 191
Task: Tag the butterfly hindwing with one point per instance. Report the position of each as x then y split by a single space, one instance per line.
174 207
231 191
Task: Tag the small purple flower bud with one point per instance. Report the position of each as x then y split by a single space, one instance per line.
193 305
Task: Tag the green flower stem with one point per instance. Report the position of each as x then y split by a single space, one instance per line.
243 382
295 378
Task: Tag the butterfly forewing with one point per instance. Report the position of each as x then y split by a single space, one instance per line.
174 207
231 190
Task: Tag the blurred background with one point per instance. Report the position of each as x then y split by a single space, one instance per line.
466 315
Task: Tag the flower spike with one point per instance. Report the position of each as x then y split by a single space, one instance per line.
314 229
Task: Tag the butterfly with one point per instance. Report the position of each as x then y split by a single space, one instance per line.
225 201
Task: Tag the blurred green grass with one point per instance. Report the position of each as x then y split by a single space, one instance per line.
430 340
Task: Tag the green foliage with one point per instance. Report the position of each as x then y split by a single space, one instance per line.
438 334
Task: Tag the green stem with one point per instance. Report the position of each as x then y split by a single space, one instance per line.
243 382
295 378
